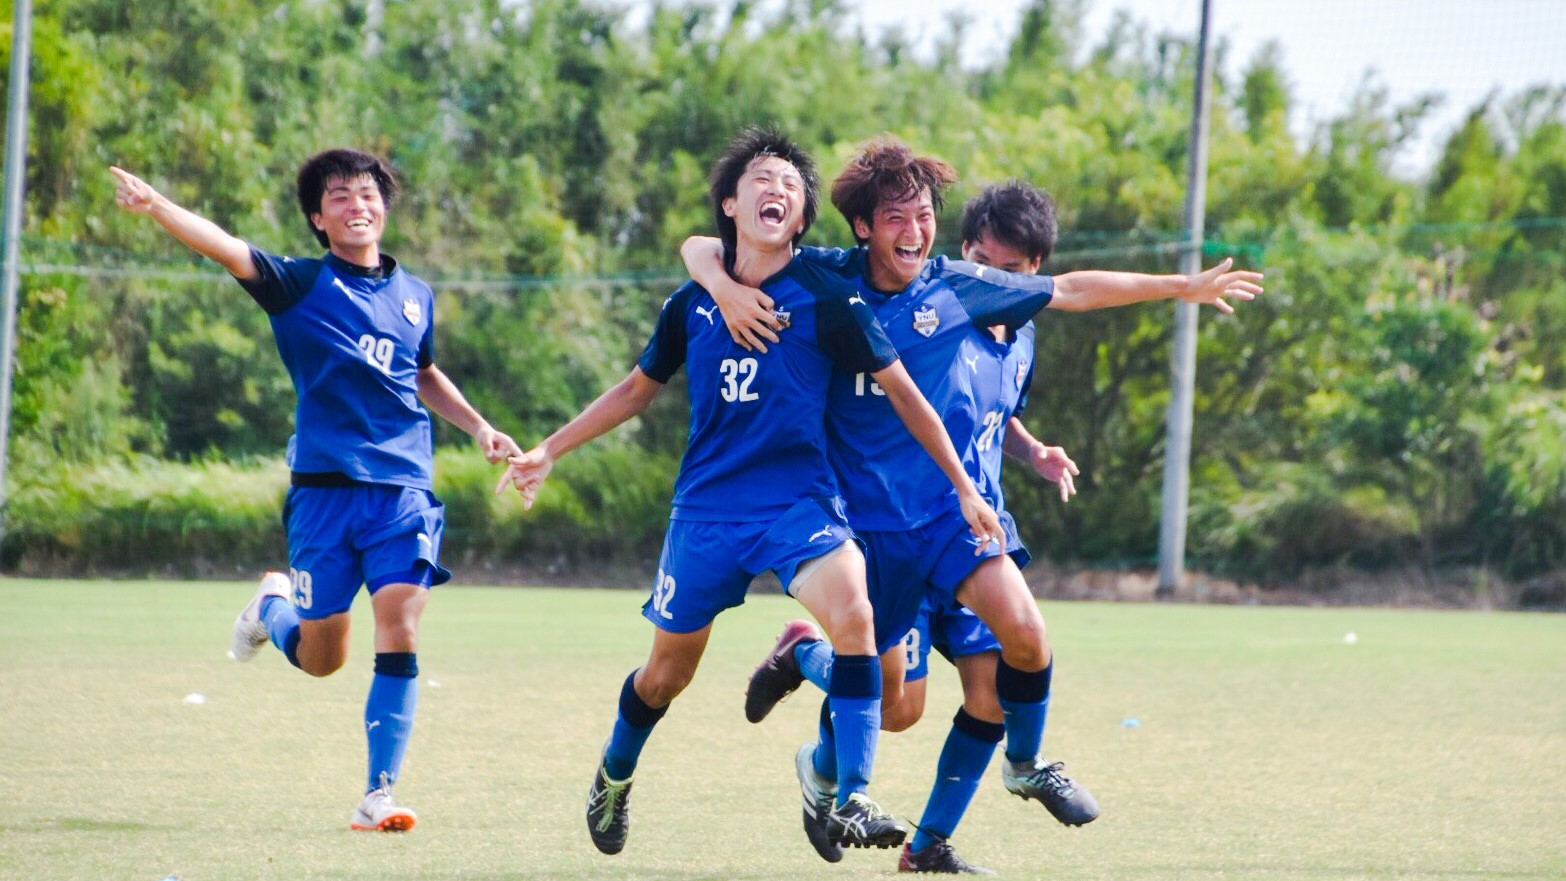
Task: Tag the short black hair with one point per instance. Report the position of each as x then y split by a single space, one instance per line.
1016 214
758 142
345 164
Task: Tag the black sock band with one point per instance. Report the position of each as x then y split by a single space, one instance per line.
978 729
634 710
291 647
402 665
1014 685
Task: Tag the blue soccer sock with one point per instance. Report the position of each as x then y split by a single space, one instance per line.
963 760
633 724
1024 698
388 714
854 695
815 661
282 626
824 759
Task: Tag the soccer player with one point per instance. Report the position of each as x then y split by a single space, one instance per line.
356 333
755 490
936 312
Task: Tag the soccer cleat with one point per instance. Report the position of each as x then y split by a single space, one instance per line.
860 822
379 812
819 795
778 676
938 857
608 812
1062 796
249 630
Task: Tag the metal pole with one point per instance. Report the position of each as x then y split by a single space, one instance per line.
15 162
1182 393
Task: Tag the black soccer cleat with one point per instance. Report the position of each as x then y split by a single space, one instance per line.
818 795
860 822
940 858
608 812
778 675
1062 796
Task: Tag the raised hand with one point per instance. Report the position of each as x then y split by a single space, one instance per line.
1214 285
131 192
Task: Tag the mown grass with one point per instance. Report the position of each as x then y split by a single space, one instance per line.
1266 747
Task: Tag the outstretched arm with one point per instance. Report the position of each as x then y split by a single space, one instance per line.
927 429
746 311
1050 463
627 398
442 396
1092 289
196 232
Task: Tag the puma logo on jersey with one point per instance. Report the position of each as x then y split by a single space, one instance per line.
338 283
706 313
979 273
826 532
856 299
973 364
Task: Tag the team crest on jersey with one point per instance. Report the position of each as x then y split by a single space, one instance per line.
412 311
1022 372
782 318
926 321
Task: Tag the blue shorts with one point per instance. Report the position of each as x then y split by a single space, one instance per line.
706 567
934 559
342 537
949 628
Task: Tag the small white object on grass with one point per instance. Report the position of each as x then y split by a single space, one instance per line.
1131 722
195 697
433 683
1350 638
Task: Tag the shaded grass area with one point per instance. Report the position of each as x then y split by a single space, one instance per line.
1264 746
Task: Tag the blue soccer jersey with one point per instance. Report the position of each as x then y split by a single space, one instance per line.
888 480
757 442
1003 374
353 341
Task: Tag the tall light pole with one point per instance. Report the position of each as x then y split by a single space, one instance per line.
15 163
1182 392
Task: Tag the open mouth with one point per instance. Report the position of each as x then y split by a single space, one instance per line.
359 223
907 254
773 212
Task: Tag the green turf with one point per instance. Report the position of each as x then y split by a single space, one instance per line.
1267 748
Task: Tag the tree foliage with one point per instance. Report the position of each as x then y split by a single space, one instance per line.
1396 397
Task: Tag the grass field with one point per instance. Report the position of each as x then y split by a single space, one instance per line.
1268 748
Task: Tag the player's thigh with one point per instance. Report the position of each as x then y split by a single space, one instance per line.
833 591
997 593
398 608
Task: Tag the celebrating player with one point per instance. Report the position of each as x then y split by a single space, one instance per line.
937 312
755 490
356 334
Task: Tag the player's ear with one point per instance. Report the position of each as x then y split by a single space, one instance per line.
315 221
861 228
728 206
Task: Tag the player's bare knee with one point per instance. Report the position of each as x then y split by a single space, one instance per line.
901 716
850 625
660 685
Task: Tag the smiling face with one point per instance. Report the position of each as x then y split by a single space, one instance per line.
898 239
991 251
768 205
352 215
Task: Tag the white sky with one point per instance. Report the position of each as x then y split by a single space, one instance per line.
1462 49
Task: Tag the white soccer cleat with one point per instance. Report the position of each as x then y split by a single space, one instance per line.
249 630
379 812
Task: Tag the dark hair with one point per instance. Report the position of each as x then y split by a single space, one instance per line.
753 143
347 165
886 170
1016 214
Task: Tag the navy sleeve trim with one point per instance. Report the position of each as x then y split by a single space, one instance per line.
993 296
282 281
665 350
